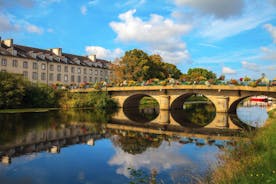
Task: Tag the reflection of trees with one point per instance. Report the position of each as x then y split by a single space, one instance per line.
136 142
195 114
141 115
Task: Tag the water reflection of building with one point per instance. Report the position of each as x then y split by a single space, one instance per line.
50 140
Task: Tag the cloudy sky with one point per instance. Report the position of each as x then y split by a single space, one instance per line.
235 38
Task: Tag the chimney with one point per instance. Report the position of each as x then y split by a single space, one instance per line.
8 42
92 57
57 51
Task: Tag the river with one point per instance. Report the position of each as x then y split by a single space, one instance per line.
86 146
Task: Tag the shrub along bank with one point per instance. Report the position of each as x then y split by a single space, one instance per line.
252 161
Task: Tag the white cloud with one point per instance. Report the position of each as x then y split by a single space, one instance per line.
103 53
151 159
83 10
272 30
227 70
220 29
6 24
250 66
158 34
33 29
217 8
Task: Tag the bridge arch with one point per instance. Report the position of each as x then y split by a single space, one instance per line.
196 113
133 112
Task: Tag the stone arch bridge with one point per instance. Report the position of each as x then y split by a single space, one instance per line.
224 98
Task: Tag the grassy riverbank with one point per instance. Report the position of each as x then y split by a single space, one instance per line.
26 110
252 161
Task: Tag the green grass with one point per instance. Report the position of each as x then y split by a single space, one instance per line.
252 161
26 110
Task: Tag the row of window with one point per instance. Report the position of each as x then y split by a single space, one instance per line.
59 77
43 67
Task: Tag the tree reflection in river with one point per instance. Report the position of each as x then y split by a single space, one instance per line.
135 142
195 114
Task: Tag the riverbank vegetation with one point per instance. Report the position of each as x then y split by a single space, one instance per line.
97 99
18 93
251 161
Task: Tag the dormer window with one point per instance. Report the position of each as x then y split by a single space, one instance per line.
14 52
64 59
76 60
42 57
50 58
34 55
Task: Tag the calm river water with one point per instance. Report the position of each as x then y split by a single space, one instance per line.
82 146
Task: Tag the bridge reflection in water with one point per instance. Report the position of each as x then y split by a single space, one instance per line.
173 119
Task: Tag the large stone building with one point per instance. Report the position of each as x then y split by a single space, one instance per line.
52 66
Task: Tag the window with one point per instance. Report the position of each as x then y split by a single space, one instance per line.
101 72
79 70
90 71
96 72
25 64
14 63
35 65
25 74
43 66
65 68
65 78
51 67
84 79
34 76
79 78
58 77
43 76
96 80
4 62
58 68
51 76
3 70
84 70
72 78
90 79
72 69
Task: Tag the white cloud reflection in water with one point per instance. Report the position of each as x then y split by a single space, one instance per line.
165 157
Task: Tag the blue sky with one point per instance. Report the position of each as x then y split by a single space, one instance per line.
235 38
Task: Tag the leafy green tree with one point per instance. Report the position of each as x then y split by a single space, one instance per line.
12 90
139 66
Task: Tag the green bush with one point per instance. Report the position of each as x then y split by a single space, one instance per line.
12 90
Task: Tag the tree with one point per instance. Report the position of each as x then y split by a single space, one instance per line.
139 66
199 74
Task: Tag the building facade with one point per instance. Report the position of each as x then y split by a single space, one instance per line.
52 66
